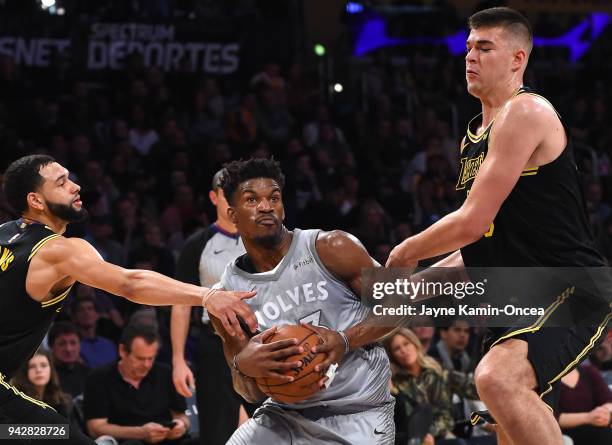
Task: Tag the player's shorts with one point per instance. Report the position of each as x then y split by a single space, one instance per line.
18 408
554 351
272 424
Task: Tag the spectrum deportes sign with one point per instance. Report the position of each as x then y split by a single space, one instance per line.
108 46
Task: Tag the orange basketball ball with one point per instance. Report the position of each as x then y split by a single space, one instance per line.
305 377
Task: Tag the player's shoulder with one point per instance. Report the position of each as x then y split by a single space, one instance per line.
61 247
336 239
529 106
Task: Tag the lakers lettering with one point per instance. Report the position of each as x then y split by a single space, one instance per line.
6 259
469 169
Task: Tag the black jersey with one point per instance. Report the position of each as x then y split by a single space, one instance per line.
24 322
543 222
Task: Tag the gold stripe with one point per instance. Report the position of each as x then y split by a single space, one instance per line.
540 321
475 138
531 169
586 349
22 395
475 419
530 173
56 299
41 243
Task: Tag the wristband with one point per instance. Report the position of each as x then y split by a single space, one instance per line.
235 366
207 296
347 345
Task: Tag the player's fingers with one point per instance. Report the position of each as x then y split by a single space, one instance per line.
286 366
245 295
233 320
322 367
286 352
247 315
323 347
309 326
281 344
322 381
265 335
227 326
278 375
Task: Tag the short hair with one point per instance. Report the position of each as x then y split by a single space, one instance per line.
239 171
137 330
216 181
60 328
23 177
83 299
507 18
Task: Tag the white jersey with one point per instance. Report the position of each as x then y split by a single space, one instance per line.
301 289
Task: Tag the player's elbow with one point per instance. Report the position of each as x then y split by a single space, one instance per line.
473 227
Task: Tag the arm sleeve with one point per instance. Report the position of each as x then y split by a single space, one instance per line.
96 403
187 268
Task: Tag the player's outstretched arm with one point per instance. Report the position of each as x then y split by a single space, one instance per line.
62 258
521 127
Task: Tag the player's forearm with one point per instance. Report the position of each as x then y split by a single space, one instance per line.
245 386
152 288
369 331
179 328
449 234
117 431
572 420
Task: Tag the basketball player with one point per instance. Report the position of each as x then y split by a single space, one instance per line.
303 276
38 267
202 261
522 207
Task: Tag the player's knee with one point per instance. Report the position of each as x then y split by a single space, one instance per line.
487 380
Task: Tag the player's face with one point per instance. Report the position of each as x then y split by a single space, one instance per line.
489 60
403 351
139 361
39 370
258 211
59 195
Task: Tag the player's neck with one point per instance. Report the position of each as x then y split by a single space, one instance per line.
55 224
494 102
265 258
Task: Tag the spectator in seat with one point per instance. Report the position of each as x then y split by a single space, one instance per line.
134 399
585 404
65 347
96 350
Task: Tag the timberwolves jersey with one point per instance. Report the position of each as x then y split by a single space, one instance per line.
543 222
23 321
301 289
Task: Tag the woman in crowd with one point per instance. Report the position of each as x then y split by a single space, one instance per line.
423 414
585 404
38 379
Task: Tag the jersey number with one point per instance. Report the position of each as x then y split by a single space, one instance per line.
313 319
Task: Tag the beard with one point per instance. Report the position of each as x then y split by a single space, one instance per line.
271 240
67 213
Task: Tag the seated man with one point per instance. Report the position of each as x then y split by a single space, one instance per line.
134 399
65 346
96 350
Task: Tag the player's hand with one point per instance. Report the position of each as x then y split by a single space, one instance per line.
399 257
177 430
182 377
154 432
227 306
600 416
333 345
259 359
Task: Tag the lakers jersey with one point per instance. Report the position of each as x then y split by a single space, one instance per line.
23 321
301 289
543 222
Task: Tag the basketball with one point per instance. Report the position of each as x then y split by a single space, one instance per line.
305 380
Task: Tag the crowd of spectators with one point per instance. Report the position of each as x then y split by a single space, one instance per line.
144 145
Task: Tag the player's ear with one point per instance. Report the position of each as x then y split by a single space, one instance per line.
519 60
231 214
35 201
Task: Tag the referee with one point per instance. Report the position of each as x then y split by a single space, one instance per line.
202 261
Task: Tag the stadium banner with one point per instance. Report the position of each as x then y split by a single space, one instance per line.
109 46
561 5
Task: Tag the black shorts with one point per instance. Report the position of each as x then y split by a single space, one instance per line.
17 408
554 351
